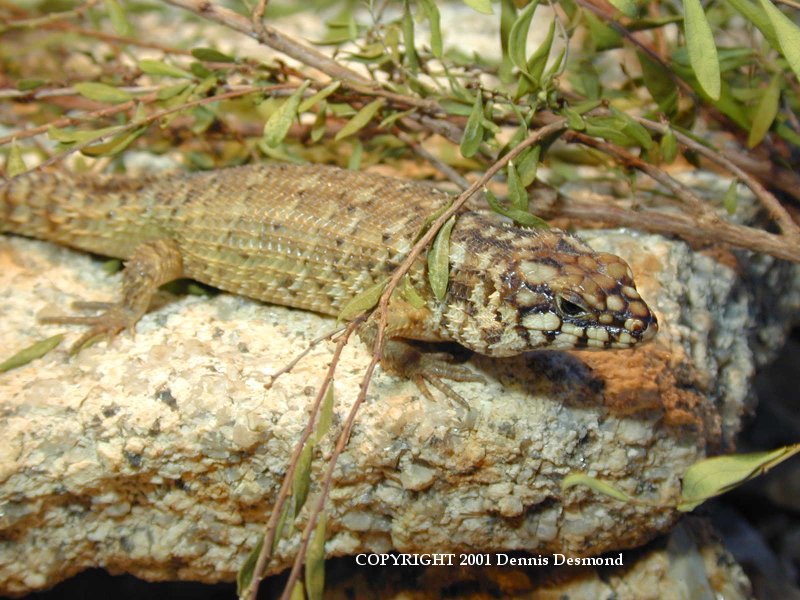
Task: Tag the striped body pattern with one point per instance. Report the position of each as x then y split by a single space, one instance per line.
312 237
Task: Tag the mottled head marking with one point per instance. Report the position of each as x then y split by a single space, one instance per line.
514 290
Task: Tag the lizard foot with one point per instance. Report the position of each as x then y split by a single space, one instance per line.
105 325
427 368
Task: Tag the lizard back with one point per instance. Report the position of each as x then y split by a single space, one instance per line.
306 236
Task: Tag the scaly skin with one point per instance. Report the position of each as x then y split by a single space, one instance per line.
313 237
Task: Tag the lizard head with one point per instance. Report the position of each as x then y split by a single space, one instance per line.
513 290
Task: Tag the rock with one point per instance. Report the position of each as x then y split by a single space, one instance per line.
160 455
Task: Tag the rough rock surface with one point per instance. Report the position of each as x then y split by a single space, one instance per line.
160 455
687 563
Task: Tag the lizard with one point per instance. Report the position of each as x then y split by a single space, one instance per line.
314 237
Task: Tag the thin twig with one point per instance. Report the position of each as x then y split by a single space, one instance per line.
382 311
293 363
676 223
47 19
146 121
258 11
442 167
270 529
770 202
701 208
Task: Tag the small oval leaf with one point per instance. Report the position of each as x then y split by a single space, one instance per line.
302 477
157 67
15 164
482 6
730 200
473 131
765 112
669 147
315 560
362 302
597 485
32 352
360 119
439 260
788 35
714 476
212 55
518 37
517 193
100 92
245 575
318 97
279 122
701 47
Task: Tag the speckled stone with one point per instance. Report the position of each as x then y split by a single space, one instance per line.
160 454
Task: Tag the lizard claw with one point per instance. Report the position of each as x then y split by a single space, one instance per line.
105 325
425 368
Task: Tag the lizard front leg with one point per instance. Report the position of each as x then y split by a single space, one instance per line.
401 357
151 265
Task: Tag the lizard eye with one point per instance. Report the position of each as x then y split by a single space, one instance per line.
567 308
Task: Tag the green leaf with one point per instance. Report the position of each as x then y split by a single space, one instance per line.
115 145
119 20
702 50
730 200
714 476
439 260
360 119
658 82
788 35
409 294
78 136
473 131
432 14
538 60
753 13
669 147
508 15
301 482
32 352
318 96
101 92
602 37
280 524
279 122
315 561
597 485
325 418
520 217
411 58
26 85
245 575
518 38
517 193
354 162
482 6
766 111
212 55
574 120
529 165
157 67
363 301
318 128
15 164
626 7
298 591
172 90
